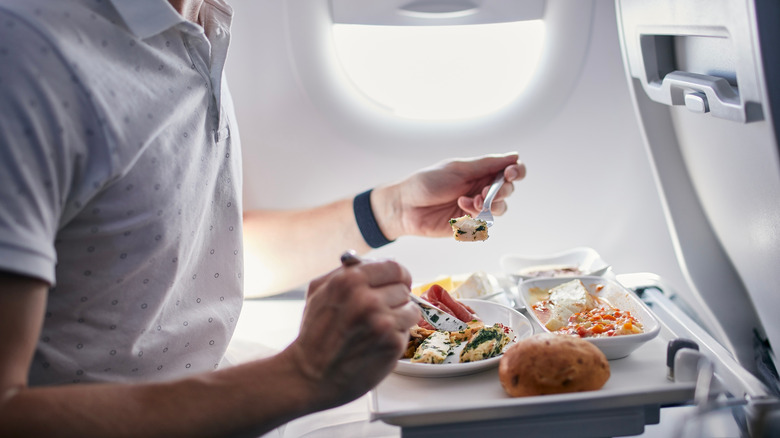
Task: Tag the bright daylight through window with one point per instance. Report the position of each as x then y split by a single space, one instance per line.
441 72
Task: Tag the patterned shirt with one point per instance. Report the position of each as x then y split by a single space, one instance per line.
120 184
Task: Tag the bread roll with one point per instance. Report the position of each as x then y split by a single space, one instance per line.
547 363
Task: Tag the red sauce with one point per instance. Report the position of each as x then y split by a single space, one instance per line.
602 321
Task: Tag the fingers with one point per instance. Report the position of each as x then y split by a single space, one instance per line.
515 172
491 164
383 272
390 281
506 189
405 315
378 272
473 205
316 284
466 204
355 325
381 281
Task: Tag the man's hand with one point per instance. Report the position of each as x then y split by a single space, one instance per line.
355 326
423 203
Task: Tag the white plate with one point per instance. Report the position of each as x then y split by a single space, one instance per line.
613 292
490 313
584 258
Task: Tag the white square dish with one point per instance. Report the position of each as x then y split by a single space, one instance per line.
614 347
584 259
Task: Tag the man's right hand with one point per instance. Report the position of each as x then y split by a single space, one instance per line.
355 326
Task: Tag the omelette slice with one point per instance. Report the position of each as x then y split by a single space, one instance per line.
434 349
486 343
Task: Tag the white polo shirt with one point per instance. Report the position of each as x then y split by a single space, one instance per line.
120 183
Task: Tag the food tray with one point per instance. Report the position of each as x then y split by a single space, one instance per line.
461 406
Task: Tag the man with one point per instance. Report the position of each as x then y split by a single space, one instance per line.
121 226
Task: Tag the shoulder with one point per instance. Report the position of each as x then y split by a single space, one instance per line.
44 78
30 54
48 121
37 83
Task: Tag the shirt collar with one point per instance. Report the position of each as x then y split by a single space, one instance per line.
146 18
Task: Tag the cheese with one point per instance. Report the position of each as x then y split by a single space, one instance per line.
468 229
447 283
476 285
565 300
434 349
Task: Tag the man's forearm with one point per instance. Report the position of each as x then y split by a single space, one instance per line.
286 249
247 400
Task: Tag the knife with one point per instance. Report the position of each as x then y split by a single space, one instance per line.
437 318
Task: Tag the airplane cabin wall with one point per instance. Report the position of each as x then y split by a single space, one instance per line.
589 181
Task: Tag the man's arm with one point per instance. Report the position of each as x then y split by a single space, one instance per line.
207 405
294 246
355 325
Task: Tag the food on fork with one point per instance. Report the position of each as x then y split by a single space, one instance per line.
546 363
468 229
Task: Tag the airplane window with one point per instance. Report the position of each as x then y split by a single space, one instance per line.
384 77
440 72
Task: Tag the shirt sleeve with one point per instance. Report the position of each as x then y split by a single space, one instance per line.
42 147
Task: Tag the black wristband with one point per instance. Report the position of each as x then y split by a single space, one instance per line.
366 221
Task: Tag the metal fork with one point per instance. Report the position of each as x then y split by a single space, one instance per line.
436 317
486 215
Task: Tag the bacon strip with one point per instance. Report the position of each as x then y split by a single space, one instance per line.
439 297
